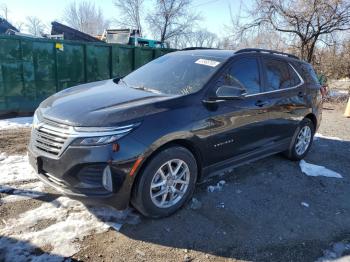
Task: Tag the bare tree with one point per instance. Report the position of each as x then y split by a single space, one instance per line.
202 38
334 60
86 17
19 25
306 21
34 26
172 18
130 13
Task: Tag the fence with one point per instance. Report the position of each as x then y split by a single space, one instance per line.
33 69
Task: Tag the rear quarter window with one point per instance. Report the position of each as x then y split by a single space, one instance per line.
279 75
307 72
294 78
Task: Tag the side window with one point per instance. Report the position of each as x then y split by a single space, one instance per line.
245 73
309 73
277 73
294 78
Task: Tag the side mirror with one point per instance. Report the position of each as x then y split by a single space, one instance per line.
230 92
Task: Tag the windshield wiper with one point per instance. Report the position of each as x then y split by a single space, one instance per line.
121 80
147 89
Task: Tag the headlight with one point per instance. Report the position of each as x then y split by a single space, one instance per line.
97 140
105 129
93 136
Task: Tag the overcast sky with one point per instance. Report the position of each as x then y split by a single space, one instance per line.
215 13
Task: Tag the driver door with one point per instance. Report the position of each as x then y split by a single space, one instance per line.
240 126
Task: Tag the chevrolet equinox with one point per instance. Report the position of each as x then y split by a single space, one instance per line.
147 138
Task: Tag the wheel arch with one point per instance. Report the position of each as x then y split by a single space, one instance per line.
185 143
313 119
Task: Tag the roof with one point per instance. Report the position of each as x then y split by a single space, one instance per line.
5 25
225 54
71 33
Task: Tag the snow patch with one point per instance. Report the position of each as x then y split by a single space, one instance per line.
68 220
318 136
219 186
305 204
315 170
22 192
335 253
3 156
195 204
16 169
72 221
13 250
337 93
18 122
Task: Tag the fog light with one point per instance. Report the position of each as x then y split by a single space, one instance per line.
107 181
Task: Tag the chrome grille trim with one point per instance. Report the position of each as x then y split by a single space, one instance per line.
55 180
51 138
56 124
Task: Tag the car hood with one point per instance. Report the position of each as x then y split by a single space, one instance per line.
102 103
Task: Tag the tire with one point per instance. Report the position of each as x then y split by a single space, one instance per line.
156 174
296 152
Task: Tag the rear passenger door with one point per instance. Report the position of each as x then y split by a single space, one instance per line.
286 94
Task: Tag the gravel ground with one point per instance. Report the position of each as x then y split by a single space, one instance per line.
258 215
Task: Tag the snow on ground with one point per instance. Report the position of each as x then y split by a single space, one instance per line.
218 187
22 192
315 170
337 93
15 169
66 220
318 136
335 253
72 221
17 122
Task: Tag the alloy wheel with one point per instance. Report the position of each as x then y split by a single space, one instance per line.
170 183
303 140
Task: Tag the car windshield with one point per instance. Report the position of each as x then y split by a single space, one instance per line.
174 74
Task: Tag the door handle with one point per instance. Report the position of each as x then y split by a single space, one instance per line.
261 103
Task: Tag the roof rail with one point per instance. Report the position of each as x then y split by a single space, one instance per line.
247 50
197 48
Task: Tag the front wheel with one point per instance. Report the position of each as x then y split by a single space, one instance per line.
166 183
302 140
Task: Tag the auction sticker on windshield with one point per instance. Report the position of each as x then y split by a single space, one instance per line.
207 62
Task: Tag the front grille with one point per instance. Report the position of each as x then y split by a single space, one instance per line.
50 137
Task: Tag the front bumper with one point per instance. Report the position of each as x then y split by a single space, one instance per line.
78 171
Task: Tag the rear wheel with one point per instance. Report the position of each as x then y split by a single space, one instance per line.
166 183
302 140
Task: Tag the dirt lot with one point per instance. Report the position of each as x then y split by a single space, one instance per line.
267 211
14 141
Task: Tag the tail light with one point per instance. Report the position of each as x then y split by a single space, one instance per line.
324 90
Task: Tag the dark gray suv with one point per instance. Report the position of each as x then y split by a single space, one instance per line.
147 138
